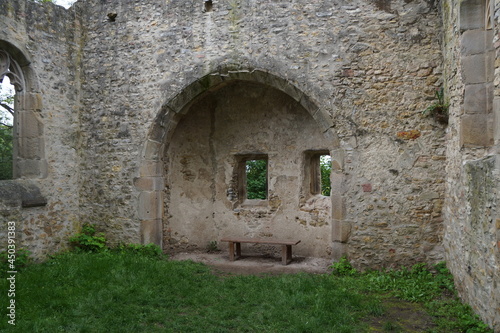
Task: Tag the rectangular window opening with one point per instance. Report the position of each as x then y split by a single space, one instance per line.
319 166
325 166
256 179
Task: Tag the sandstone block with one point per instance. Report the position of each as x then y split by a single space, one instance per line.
151 232
478 98
150 205
472 15
476 130
29 124
474 69
476 41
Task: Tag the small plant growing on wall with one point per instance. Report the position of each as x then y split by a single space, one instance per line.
439 109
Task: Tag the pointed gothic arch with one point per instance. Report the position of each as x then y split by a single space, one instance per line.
28 146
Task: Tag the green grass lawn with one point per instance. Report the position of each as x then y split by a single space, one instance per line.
130 292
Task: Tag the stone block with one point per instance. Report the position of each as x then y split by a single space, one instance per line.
474 69
153 150
30 126
476 42
476 130
338 250
337 159
496 119
150 205
472 14
338 206
30 148
30 168
150 168
149 183
151 232
31 101
321 116
490 66
188 94
478 98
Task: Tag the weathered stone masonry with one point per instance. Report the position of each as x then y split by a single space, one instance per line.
139 123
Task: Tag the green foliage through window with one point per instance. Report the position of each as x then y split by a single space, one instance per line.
325 164
256 173
6 135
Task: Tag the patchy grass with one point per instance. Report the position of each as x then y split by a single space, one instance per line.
133 291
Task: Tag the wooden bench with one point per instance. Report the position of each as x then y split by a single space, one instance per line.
286 246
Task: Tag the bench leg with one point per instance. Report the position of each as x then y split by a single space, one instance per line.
231 251
286 254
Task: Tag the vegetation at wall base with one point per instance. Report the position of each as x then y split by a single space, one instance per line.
132 289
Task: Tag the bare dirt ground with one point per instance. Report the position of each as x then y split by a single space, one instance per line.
255 263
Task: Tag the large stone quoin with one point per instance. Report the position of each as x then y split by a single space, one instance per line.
140 116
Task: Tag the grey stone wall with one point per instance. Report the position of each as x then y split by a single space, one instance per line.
471 218
113 91
370 71
109 100
45 42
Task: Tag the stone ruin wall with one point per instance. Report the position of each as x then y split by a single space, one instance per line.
44 200
108 97
472 224
369 69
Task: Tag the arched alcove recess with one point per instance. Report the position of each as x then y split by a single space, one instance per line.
150 181
28 147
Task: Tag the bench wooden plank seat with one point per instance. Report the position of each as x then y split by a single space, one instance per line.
235 244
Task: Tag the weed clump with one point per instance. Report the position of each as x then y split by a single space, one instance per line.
88 240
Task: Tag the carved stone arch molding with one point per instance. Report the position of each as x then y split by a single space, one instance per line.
11 69
150 180
29 148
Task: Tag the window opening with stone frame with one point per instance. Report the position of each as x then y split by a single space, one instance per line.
10 82
318 168
252 177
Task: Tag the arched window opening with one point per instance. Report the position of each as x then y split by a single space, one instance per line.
6 128
12 81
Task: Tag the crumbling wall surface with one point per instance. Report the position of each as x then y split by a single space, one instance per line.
369 67
245 121
43 200
471 208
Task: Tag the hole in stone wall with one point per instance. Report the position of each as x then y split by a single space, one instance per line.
208 5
